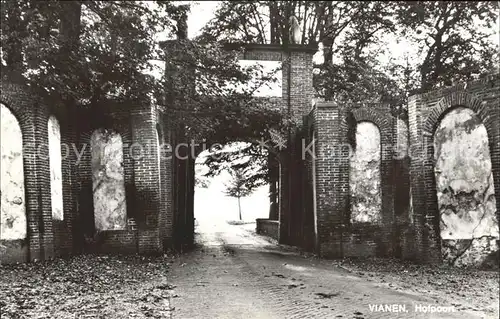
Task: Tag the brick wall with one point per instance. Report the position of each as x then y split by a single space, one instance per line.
337 236
159 201
63 230
425 113
267 227
32 116
331 186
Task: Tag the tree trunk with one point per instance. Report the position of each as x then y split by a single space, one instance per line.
273 25
239 207
70 26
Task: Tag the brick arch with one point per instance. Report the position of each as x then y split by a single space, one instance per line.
382 121
450 102
490 119
20 102
124 132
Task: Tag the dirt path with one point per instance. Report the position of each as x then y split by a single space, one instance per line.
235 274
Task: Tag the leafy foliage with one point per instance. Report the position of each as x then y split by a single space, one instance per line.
239 156
453 37
96 50
85 51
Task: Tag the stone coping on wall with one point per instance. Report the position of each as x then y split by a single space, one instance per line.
346 105
271 47
267 220
255 46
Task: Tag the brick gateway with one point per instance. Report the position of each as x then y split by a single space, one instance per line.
156 204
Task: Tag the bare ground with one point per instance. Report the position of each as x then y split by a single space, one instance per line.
466 289
237 274
86 287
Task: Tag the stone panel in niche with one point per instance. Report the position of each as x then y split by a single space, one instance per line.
364 181
108 183
13 210
55 158
465 190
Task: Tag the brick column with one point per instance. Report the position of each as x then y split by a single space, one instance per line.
416 246
331 185
146 181
44 196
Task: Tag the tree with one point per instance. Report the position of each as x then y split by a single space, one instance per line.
238 186
453 37
200 180
87 52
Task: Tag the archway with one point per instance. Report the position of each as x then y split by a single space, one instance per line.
364 175
13 221
223 219
108 184
468 224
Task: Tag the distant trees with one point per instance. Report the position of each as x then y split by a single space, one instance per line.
453 39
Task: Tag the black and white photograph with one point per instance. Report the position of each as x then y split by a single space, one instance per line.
249 159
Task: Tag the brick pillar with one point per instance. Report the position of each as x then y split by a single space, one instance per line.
417 246
385 248
169 188
146 181
44 196
166 183
182 223
332 179
299 92
301 82
68 138
431 228
401 188
32 193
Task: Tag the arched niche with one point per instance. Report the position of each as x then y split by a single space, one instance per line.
108 183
